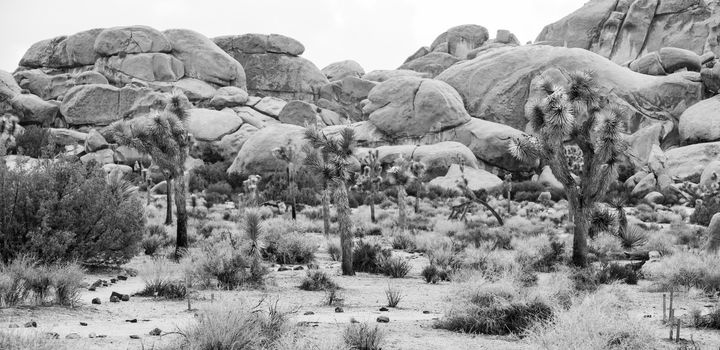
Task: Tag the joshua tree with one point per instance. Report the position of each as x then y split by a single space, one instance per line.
370 178
578 115
332 158
318 162
401 175
418 171
164 137
288 155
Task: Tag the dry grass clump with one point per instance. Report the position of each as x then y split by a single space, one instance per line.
394 267
317 280
222 264
687 270
599 321
163 278
24 280
362 336
334 249
14 340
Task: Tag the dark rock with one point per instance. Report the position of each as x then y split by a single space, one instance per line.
155 331
134 320
308 313
134 336
426 312
383 309
283 268
96 301
112 280
125 297
298 268
383 319
83 323
31 324
339 309
114 299
122 278
101 336
92 289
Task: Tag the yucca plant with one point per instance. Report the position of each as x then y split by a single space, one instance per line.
332 157
253 231
634 236
577 114
163 135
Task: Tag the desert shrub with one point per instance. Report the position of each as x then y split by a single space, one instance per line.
633 237
25 280
334 250
442 256
237 327
35 142
645 213
709 206
605 245
362 336
367 257
403 241
212 173
289 248
15 340
154 238
686 270
222 188
526 278
494 309
394 296
599 321
662 241
448 227
274 186
221 264
711 320
317 280
162 279
313 213
529 191
539 254
394 267
66 211
612 272
430 274
585 279
688 235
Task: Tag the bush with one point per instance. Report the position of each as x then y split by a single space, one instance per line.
614 272
393 295
35 142
66 211
367 257
14 340
362 336
334 250
317 280
161 278
685 270
222 265
431 274
24 278
491 316
403 241
585 279
529 191
394 267
289 248
633 237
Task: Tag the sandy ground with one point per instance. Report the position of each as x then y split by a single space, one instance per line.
364 294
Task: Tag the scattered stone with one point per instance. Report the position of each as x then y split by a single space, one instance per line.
383 309
298 268
383 319
339 309
426 312
125 297
122 278
283 268
52 335
31 324
101 336
155 331
83 323
134 320
92 289
97 301
112 280
114 299
72 336
307 313
134 336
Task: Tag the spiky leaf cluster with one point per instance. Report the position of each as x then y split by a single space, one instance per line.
405 171
330 156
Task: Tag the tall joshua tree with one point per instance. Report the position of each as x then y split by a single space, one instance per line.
288 155
576 114
370 178
164 137
332 158
318 163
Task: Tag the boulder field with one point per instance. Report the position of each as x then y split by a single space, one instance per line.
458 100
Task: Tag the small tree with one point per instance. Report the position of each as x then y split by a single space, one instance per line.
402 175
578 115
164 137
288 155
332 158
370 178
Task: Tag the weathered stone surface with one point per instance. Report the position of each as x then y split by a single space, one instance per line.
713 233
548 179
143 66
495 84
648 64
342 69
410 106
255 156
95 141
130 39
102 157
462 39
204 60
437 158
67 136
504 36
32 109
626 30
63 52
674 59
711 174
228 96
195 89
96 104
128 156
646 185
641 143
261 43
345 97
50 87
270 106
382 75
654 197
433 63
8 86
254 118
299 113
211 125
229 145
690 161
478 179
701 122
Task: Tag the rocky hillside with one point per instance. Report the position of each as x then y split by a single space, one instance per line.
460 98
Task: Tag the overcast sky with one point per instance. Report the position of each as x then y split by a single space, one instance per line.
379 34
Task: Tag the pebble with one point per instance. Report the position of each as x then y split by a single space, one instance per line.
72 336
383 319
426 312
155 331
96 301
30 324
134 320
383 309
134 336
299 268
282 268
339 309
125 297
114 299
92 335
122 278
83 323
14 325
308 313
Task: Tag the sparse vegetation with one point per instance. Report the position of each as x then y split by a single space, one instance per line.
362 336
317 280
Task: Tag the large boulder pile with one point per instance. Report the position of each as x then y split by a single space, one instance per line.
273 65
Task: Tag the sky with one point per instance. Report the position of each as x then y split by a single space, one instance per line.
378 34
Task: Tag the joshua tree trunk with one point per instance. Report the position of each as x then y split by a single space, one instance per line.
417 203
180 204
622 220
372 210
292 189
345 227
401 194
582 214
169 190
326 210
